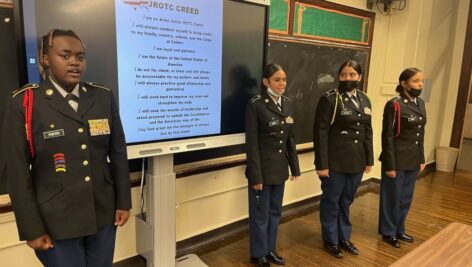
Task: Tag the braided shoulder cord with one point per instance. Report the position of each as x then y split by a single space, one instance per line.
28 105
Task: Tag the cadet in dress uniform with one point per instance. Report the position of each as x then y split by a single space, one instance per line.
270 150
67 164
343 152
402 155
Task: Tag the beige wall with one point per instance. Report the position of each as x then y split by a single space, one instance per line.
428 34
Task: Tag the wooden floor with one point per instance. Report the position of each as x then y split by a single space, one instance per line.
439 199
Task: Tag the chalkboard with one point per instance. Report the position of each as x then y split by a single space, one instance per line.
312 69
279 16
331 24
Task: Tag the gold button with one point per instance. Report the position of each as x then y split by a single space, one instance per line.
357 132
281 141
421 118
419 126
281 132
85 162
418 134
355 141
81 130
283 122
359 115
416 142
358 123
280 150
83 146
87 178
51 126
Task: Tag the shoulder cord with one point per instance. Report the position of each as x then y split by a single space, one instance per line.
396 116
28 105
338 97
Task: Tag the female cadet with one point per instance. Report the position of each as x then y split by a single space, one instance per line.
270 150
402 155
66 196
343 152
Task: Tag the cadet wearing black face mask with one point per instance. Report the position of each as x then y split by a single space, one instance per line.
402 155
343 152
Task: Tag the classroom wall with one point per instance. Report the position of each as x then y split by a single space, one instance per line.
428 34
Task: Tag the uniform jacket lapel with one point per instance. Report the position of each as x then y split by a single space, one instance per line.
86 101
412 105
348 102
57 102
271 104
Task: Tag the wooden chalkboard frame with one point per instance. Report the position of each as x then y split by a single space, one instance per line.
338 8
329 33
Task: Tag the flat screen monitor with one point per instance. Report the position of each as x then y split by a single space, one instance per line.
182 71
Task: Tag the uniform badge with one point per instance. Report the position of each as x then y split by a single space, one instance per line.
99 127
53 134
346 112
367 111
49 92
60 162
289 119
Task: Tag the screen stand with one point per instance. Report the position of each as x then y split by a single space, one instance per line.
155 232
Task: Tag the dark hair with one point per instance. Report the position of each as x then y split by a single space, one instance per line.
353 64
46 42
405 76
269 70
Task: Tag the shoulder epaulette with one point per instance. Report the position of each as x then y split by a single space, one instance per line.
395 98
330 92
365 95
97 85
28 86
255 98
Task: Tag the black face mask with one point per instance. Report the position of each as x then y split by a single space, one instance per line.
345 86
415 92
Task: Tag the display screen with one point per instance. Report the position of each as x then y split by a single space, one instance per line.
179 69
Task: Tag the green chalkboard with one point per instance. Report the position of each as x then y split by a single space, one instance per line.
279 15
323 23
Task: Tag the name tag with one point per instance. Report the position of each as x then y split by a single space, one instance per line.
346 112
410 119
289 119
99 127
53 134
367 111
274 123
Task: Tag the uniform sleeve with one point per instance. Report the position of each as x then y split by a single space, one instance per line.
119 160
253 168
322 123
368 144
20 183
292 155
388 149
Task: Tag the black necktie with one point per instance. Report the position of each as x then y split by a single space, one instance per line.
279 106
356 101
71 97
